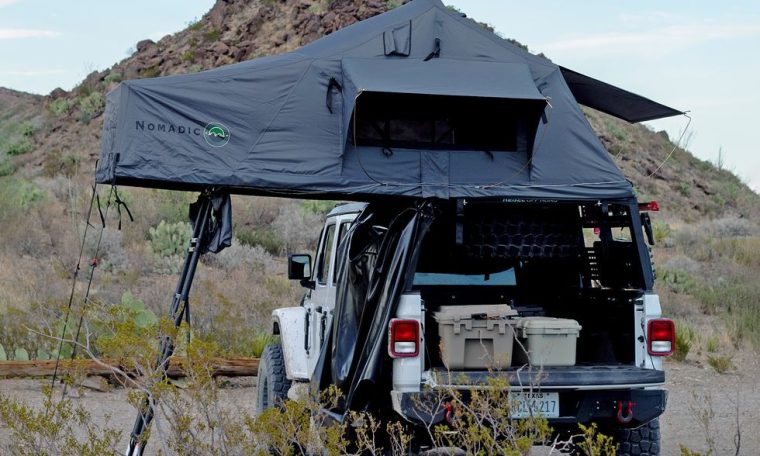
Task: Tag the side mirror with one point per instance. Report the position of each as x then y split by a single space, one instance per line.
299 266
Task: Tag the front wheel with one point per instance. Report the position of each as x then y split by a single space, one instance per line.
643 441
272 383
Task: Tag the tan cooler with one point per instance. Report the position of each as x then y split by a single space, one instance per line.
549 341
476 336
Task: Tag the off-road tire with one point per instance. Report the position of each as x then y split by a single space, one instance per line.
644 441
272 384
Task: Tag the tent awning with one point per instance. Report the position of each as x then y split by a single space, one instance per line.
614 100
448 77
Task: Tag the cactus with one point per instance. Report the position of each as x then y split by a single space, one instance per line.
169 239
143 317
21 354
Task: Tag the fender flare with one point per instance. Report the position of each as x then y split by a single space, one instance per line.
288 322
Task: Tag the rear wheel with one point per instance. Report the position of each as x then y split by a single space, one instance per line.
272 383
644 441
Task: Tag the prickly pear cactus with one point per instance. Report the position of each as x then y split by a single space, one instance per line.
169 239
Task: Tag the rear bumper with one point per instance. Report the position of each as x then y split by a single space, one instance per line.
554 378
601 407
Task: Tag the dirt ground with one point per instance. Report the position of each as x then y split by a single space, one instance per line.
693 388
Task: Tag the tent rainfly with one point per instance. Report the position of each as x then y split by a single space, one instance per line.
417 102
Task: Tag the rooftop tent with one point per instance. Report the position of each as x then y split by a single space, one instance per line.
416 102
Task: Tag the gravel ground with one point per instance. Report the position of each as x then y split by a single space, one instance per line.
693 389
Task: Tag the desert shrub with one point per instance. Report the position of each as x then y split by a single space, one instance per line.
677 280
55 163
616 131
738 299
27 332
661 231
151 72
90 106
238 255
61 106
260 341
318 206
188 56
743 251
721 364
113 76
213 35
111 254
264 238
18 196
52 429
685 338
684 188
28 129
298 228
682 263
194 24
6 167
712 344
594 443
21 147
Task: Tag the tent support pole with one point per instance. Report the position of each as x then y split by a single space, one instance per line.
178 311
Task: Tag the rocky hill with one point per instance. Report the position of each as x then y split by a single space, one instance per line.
65 132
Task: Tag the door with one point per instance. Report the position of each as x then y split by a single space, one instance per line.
319 303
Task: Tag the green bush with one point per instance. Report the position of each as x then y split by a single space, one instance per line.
27 130
151 72
188 56
618 133
260 341
61 106
721 364
712 344
90 106
677 280
684 188
661 231
194 25
267 239
6 168
20 148
213 35
685 337
113 76
169 239
318 207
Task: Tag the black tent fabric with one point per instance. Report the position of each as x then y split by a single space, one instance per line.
417 102
613 100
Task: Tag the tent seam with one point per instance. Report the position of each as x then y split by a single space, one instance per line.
287 98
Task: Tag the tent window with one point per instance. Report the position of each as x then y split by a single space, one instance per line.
416 121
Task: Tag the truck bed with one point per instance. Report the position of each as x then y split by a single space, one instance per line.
580 377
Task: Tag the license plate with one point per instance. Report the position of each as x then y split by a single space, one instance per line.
524 404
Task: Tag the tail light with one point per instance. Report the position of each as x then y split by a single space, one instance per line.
650 206
404 338
661 334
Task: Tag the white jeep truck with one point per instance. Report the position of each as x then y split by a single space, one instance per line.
384 266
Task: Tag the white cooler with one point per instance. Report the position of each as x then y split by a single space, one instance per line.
476 336
548 341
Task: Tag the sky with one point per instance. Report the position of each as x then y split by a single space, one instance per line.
697 56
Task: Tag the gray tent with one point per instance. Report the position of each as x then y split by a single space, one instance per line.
417 102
